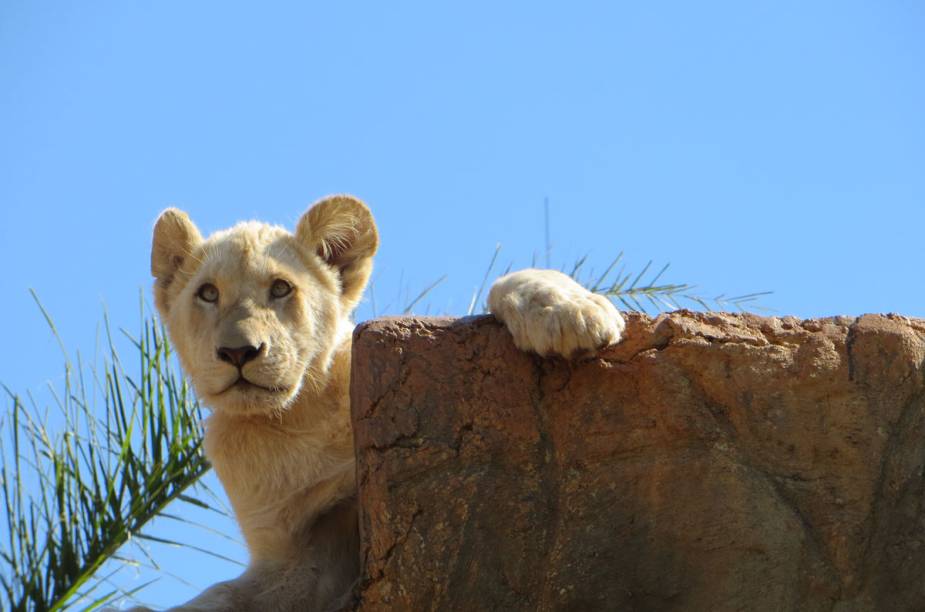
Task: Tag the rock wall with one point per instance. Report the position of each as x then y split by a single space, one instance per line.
708 462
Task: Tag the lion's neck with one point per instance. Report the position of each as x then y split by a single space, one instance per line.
281 471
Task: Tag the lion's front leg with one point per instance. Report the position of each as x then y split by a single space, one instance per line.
549 313
237 594
228 596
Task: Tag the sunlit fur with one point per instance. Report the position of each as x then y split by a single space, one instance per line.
282 445
549 313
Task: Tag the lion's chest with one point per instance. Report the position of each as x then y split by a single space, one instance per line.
277 479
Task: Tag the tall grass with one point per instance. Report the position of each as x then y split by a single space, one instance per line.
84 477
644 291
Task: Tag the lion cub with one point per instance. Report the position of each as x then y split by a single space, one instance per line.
260 319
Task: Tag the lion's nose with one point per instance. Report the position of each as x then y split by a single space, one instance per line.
240 355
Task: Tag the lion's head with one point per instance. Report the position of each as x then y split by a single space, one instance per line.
254 311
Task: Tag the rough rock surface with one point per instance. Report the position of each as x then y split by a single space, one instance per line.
708 462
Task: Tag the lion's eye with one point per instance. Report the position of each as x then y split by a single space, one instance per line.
280 289
208 293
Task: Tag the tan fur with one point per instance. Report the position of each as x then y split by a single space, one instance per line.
281 444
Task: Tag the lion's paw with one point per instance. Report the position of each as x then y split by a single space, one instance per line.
549 313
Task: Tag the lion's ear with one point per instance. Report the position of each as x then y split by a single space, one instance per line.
175 238
340 229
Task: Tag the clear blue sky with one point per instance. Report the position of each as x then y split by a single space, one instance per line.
754 145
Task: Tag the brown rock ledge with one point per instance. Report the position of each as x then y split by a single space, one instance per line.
708 462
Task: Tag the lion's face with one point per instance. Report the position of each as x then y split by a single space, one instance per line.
254 311
253 314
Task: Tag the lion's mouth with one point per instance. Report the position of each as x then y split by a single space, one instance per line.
243 384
